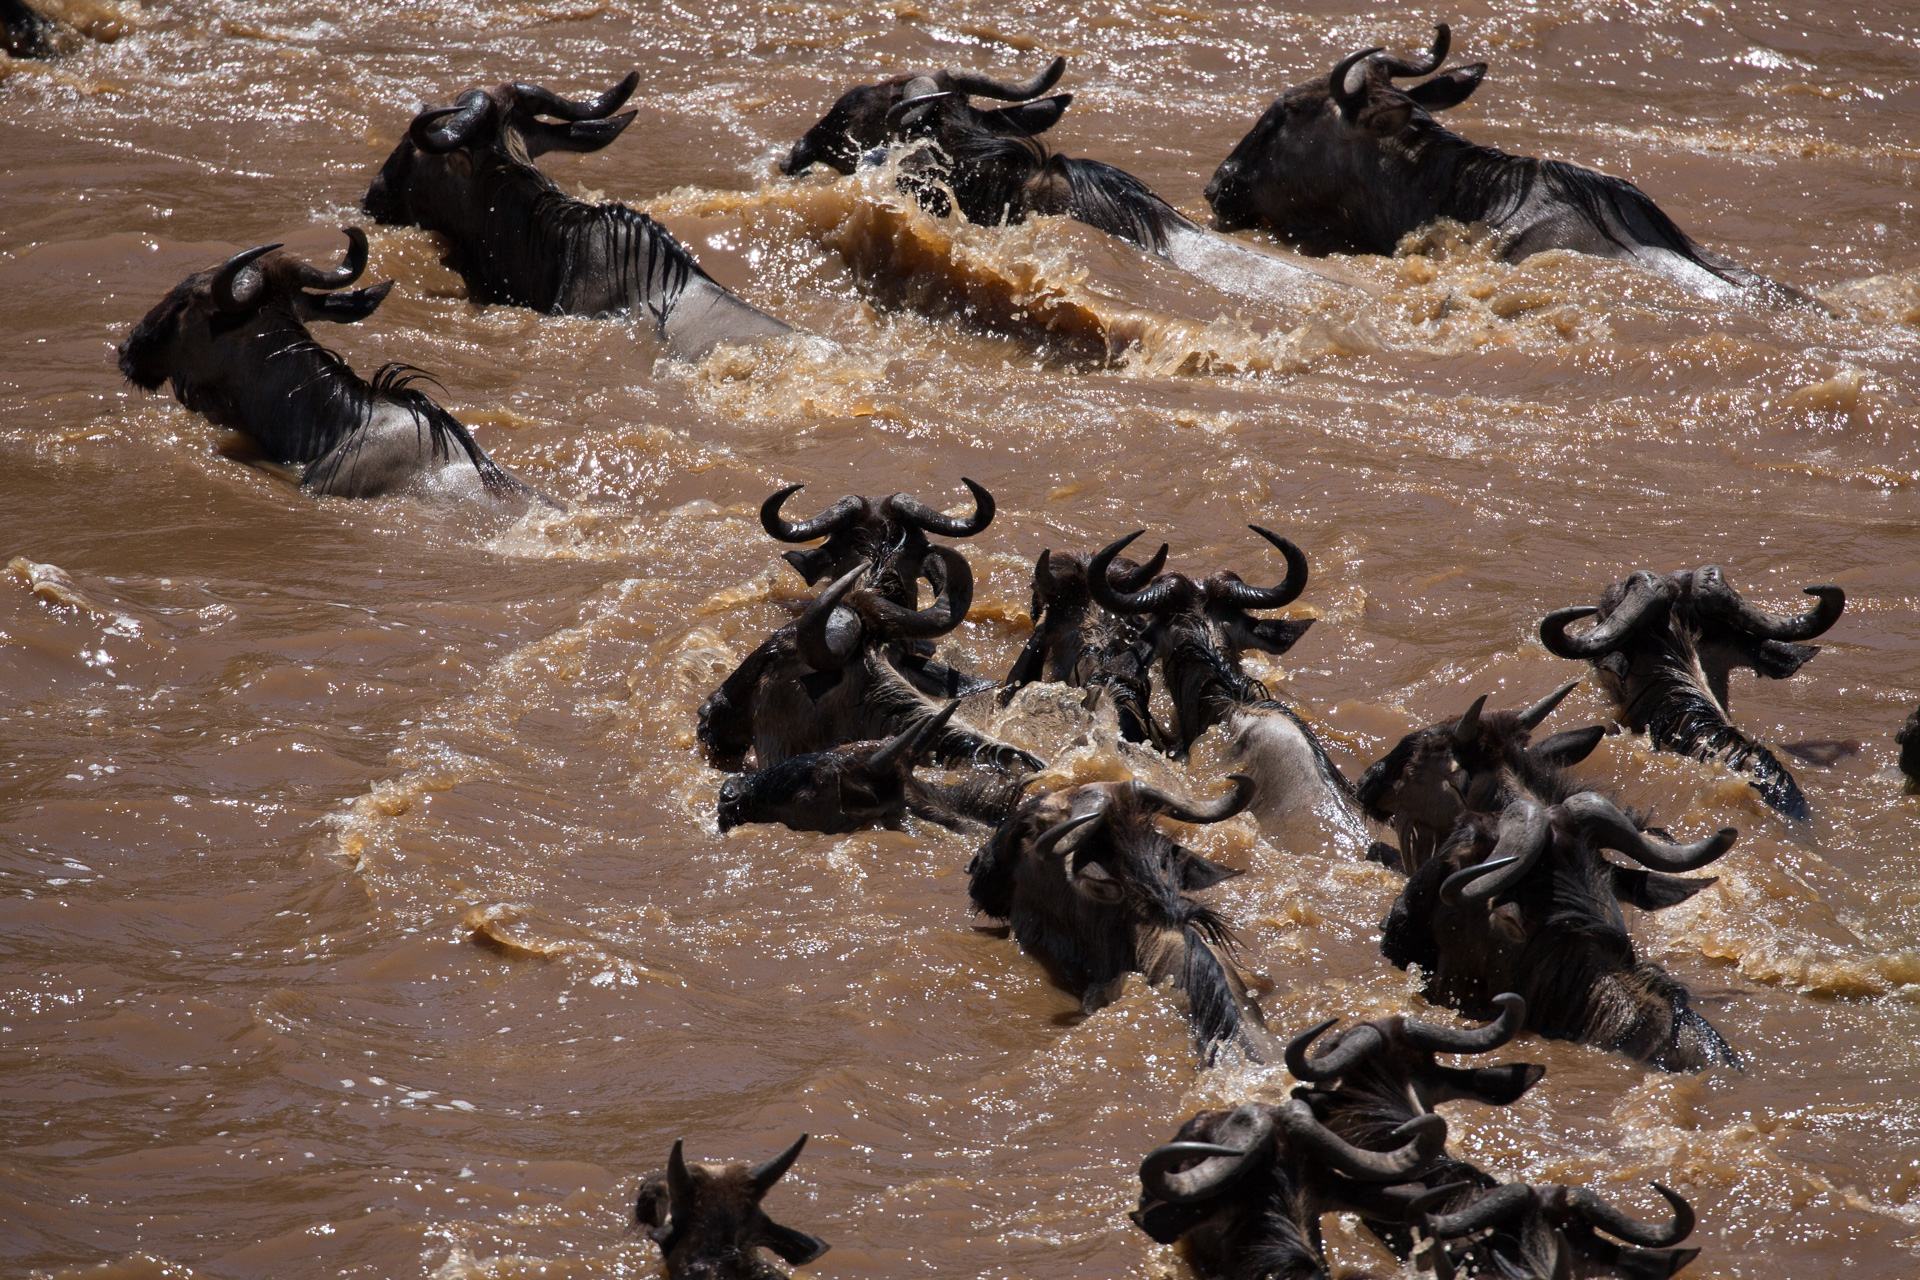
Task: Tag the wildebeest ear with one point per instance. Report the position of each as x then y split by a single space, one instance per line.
1197 873
1569 747
1778 659
1277 635
857 795
344 308
1029 117
1166 1223
1652 890
1449 88
582 135
1495 1086
796 1248
1096 882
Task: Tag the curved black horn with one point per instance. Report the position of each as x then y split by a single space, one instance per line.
1596 816
1044 843
1588 1204
1101 587
1502 1204
1247 596
835 518
223 279
441 130
1349 103
909 742
983 87
1400 67
343 275
1297 1118
1712 590
1357 1044
1134 579
1436 1039
945 613
763 1176
1186 811
914 512
1645 593
1220 1165
810 629
1525 831
1531 718
1467 730
545 102
679 1180
912 101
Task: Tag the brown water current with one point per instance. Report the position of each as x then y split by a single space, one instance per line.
362 911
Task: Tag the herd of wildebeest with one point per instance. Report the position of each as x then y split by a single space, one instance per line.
1512 908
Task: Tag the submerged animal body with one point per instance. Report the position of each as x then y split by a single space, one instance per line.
1352 163
466 172
1520 1231
1523 900
708 1222
1663 648
1093 888
233 343
863 784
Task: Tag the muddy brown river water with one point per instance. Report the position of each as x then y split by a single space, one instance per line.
361 907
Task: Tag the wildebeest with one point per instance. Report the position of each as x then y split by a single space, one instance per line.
858 121
708 1221
889 536
234 343
1198 630
1352 163
1908 740
1524 1232
466 172
1095 890
1247 1205
1483 761
1663 648
830 677
997 177
1523 900
1373 1078
862 784
1077 641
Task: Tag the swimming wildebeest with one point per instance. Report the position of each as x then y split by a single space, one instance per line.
1523 900
32 31
1247 1203
1079 642
466 172
1197 631
889 535
858 122
234 343
863 784
1483 761
1095 890
1373 1078
1352 163
708 1222
830 677
997 177
1523 1232
1663 648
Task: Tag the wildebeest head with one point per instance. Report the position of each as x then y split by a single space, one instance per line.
1244 1189
1525 901
1095 889
1199 629
708 1221
888 534
863 784
1550 1232
862 118
1078 642
1664 647
449 149
1482 761
263 293
1331 161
